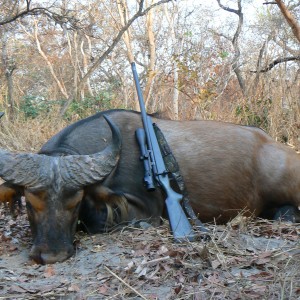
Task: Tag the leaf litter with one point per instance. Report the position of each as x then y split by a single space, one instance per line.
245 259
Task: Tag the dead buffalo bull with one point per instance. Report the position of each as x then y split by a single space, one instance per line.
54 186
227 169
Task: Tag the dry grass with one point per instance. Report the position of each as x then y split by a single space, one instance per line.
28 135
284 126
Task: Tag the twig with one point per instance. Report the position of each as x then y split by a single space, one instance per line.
125 283
155 260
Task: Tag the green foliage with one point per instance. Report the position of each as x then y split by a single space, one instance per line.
224 54
88 106
188 34
256 115
34 106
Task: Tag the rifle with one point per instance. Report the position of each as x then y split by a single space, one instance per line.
155 169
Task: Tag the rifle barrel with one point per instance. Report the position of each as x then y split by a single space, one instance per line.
140 96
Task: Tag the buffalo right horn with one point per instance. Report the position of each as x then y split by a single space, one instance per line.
37 170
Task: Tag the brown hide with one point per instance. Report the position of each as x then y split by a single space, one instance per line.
229 168
11 194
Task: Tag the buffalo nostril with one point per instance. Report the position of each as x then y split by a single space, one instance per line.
43 255
49 258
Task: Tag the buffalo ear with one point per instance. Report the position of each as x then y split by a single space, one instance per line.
116 203
11 194
100 194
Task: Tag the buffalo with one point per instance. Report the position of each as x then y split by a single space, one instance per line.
90 175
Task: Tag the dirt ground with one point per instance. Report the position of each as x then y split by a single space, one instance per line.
246 259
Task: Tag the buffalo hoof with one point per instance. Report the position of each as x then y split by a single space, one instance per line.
287 213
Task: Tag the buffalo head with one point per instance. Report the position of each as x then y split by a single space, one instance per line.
54 187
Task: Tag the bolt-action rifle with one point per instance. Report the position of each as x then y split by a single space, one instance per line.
156 172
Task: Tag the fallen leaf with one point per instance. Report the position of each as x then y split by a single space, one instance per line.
130 265
13 248
103 289
163 249
49 271
16 289
177 289
73 288
215 264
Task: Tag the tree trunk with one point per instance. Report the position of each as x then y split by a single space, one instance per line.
85 63
43 54
235 62
9 67
177 45
290 19
152 51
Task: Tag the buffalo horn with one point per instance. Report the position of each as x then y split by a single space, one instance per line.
25 169
82 170
38 170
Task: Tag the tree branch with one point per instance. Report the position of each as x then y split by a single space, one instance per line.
34 11
234 41
276 62
290 19
42 53
227 8
115 41
283 45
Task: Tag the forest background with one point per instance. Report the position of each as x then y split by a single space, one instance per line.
234 60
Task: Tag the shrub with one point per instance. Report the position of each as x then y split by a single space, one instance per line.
34 106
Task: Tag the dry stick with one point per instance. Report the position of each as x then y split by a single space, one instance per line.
125 283
153 261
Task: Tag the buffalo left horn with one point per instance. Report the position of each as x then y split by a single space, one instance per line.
38 170
81 170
